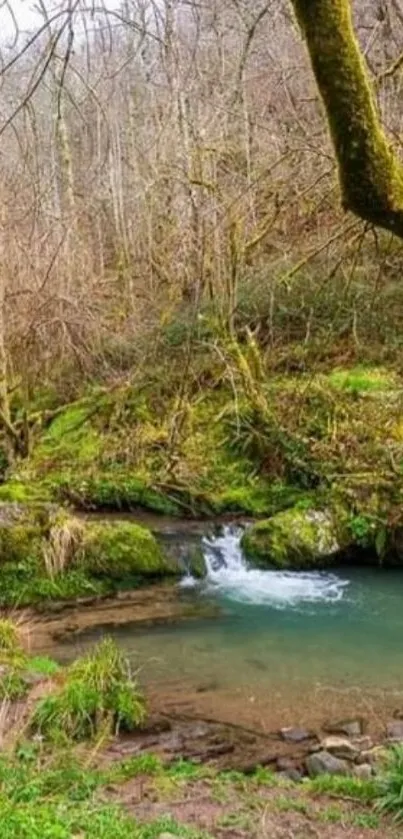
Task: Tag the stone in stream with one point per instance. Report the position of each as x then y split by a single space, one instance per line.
394 731
296 735
351 727
339 747
323 763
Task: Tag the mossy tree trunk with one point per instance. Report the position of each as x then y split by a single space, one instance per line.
371 176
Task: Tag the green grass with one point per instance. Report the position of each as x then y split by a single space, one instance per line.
287 804
338 785
96 695
390 785
43 665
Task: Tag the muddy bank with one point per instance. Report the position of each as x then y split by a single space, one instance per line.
159 604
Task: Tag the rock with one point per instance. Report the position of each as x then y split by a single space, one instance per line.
339 747
394 731
351 728
293 538
375 756
283 764
323 763
364 771
362 743
288 770
167 836
296 735
31 679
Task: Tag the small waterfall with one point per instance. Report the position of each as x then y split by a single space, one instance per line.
229 573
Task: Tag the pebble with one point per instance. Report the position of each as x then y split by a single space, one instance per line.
295 735
339 747
394 730
323 763
351 728
364 771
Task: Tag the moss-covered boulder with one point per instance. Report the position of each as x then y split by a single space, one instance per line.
121 550
294 538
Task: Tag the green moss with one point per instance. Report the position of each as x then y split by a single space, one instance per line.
117 490
22 493
294 538
195 562
71 435
362 379
121 550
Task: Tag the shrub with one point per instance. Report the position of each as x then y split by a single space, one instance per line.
9 639
390 785
98 694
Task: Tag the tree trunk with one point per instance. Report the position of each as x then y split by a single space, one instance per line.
371 176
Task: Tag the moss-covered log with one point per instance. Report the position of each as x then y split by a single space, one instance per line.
371 176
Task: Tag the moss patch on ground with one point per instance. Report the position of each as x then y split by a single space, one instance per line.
240 439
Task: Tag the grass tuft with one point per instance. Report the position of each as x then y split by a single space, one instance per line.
96 695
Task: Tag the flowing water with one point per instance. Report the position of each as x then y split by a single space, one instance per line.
289 639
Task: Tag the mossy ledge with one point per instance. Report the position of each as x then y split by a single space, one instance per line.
48 554
293 539
311 538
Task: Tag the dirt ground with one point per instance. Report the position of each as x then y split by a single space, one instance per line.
233 810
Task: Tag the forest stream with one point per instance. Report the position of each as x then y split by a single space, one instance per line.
265 648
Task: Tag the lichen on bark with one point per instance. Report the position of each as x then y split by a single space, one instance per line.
371 175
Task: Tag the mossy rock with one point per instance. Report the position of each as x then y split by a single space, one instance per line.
294 538
22 529
121 550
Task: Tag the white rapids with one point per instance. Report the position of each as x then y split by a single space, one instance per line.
229 573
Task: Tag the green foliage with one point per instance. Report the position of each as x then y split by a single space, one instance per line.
43 665
389 785
263 776
369 821
362 528
112 491
10 644
71 435
340 785
131 767
97 694
21 538
187 770
13 686
55 797
359 380
121 550
26 583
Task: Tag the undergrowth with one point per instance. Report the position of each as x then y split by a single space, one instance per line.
96 695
